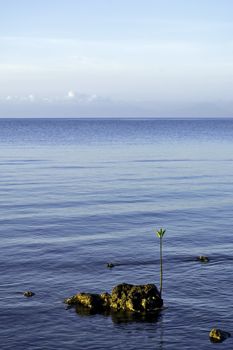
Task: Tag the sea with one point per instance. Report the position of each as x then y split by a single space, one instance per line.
77 194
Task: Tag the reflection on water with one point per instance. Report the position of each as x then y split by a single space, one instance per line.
120 316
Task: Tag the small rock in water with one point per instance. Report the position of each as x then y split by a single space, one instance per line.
203 258
218 336
110 265
28 293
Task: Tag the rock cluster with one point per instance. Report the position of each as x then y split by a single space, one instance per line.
124 297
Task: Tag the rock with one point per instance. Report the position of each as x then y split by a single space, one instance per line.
218 336
71 301
94 302
110 265
124 297
106 299
136 298
28 294
203 259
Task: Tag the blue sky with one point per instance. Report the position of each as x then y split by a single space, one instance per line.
141 58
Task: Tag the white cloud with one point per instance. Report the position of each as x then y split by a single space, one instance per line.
81 98
92 98
72 97
12 99
71 94
31 98
161 69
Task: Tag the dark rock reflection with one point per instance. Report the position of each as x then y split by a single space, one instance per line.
121 316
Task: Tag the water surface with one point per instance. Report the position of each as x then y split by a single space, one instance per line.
77 194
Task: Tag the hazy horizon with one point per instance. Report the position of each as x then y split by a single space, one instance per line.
116 59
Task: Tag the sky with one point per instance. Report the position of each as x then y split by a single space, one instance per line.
116 58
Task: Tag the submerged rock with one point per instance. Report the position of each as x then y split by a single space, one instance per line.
124 297
218 336
203 259
28 293
110 265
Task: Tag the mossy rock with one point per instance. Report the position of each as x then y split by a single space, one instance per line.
218 336
136 298
91 301
124 297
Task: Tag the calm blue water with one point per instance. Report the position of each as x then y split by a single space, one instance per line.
77 194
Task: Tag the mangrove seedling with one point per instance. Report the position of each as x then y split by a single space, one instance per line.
160 234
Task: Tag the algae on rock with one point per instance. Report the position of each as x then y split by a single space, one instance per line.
136 298
218 336
125 297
